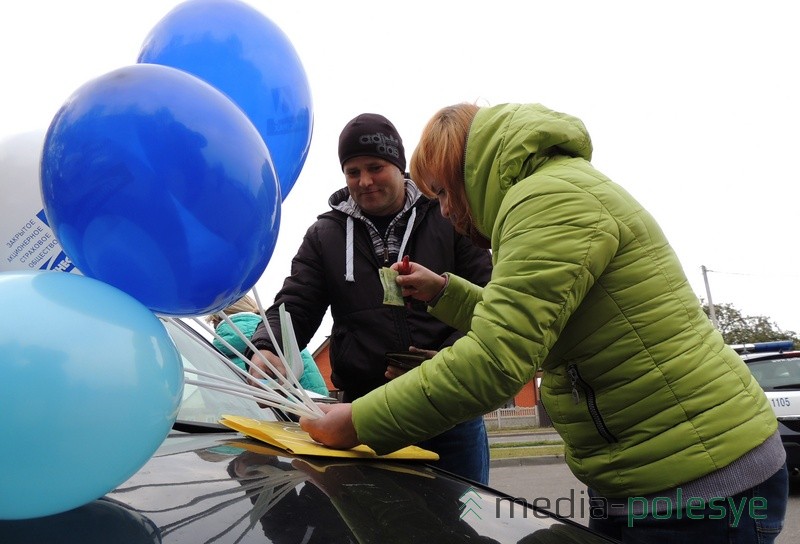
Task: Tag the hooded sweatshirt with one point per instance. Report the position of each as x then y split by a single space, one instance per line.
337 267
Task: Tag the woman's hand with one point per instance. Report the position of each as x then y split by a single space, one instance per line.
335 429
420 283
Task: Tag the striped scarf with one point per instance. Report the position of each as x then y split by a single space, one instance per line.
397 232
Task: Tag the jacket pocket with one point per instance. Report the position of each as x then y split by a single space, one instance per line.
579 385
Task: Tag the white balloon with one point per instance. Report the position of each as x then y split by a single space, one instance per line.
26 240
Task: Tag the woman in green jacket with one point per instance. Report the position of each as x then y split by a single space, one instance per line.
661 420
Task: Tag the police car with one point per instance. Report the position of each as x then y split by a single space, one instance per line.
776 366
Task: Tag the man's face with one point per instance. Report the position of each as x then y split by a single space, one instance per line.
377 186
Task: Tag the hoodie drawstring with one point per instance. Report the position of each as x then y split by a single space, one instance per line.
407 234
348 252
348 275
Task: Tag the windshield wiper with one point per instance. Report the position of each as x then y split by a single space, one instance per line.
787 386
200 427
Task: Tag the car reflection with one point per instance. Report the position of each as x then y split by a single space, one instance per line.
286 499
99 522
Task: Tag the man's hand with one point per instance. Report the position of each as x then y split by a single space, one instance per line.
393 372
428 353
335 429
419 282
257 361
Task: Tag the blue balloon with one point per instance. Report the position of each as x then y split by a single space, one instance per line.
90 385
238 50
155 182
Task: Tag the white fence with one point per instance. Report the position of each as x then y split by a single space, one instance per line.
509 418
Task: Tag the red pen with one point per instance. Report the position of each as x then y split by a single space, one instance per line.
405 267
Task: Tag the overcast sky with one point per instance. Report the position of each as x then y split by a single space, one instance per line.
694 107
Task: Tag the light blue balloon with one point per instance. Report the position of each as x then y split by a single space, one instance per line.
244 54
90 385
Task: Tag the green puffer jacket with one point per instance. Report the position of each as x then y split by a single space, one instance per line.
642 389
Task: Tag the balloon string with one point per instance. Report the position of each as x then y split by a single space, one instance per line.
285 406
295 395
234 385
291 391
289 341
287 384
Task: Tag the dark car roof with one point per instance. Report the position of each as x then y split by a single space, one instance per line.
207 483
218 488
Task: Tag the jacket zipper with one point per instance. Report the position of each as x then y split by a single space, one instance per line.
399 314
591 402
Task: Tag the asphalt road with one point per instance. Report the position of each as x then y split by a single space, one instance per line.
548 483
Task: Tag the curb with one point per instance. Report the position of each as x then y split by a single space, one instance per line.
524 461
491 434
508 434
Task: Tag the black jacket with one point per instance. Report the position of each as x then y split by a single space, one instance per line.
364 328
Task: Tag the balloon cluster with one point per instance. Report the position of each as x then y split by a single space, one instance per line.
165 178
162 183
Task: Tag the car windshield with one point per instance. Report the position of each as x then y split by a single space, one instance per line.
201 405
777 374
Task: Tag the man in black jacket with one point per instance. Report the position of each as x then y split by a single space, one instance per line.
376 220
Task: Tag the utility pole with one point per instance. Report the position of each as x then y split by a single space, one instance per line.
711 312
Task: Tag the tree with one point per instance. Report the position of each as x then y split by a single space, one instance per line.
747 329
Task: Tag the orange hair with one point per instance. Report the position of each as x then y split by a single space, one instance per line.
439 157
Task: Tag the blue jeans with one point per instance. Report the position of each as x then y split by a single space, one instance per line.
463 450
752 516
